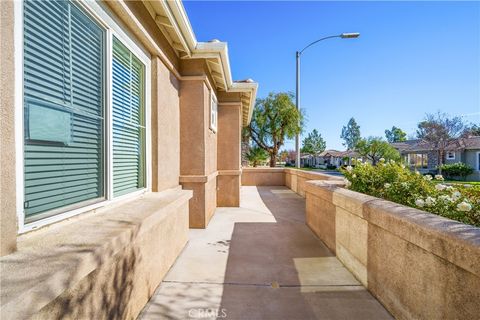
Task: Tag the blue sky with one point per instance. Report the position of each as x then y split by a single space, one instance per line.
412 58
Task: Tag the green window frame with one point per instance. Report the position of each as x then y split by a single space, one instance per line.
64 108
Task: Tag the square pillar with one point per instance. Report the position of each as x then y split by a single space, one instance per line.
198 150
229 154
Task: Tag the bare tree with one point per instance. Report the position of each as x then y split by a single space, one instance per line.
439 130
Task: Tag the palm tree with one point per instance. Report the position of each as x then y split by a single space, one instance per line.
256 155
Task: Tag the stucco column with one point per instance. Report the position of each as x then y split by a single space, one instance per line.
165 127
198 150
8 218
229 154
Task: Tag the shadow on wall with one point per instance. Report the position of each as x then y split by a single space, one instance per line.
381 242
282 271
105 293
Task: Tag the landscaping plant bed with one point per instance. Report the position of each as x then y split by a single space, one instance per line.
392 181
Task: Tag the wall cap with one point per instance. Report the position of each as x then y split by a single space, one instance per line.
451 240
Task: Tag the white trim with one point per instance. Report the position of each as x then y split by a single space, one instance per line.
109 116
218 50
148 126
65 215
111 29
18 103
145 59
213 112
448 155
117 30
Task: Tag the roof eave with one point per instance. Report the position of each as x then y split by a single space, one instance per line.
176 14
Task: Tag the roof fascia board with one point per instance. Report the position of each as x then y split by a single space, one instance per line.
206 50
180 24
245 87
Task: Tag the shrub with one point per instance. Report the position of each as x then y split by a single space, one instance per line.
458 169
392 181
256 156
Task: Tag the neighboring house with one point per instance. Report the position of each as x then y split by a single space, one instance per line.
328 158
422 156
119 132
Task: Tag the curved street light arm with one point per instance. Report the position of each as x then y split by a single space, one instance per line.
311 44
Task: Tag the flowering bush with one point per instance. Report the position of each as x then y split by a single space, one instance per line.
392 181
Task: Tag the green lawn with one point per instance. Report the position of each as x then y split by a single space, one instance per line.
475 183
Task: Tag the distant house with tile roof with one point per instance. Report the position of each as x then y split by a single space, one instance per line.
328 158
424 157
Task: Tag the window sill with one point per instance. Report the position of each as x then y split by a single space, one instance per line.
54 259
97 206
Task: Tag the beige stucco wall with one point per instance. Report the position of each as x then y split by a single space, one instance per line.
111 268
149 34
108 271
228 154
293 178
203 203
210 135
8 218
228 189
165 127
471 160
192 137
198 149
418 265
263 177
229 128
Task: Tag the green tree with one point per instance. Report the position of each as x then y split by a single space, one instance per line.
256 156
351 134
375 148
395 135
275 118
282 157
439 130
314 143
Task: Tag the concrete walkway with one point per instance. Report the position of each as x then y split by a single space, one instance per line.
260 261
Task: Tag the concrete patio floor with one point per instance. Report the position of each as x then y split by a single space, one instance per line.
260 261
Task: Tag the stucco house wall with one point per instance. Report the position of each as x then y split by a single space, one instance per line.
107 261
472 159
465 150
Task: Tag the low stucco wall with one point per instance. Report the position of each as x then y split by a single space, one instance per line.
418 265
100 266
293 178
263 177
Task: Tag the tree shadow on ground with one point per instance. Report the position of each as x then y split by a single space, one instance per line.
282 271
104 293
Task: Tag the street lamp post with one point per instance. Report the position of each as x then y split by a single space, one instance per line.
297 87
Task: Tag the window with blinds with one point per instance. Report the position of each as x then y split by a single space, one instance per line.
213 113
128 120
63 108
